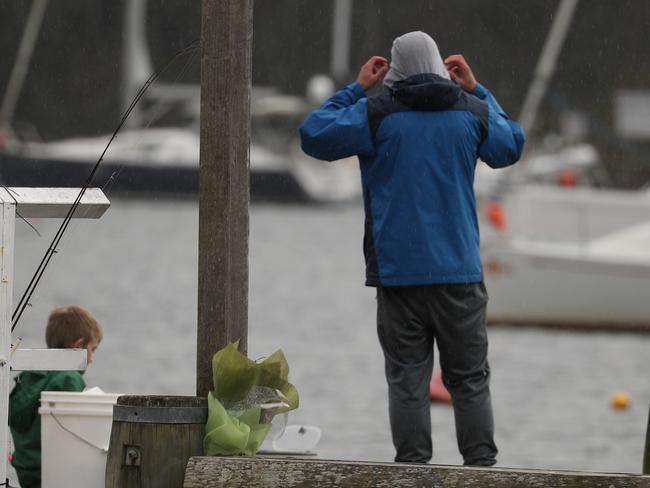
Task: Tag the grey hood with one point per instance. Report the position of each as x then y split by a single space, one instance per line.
412 54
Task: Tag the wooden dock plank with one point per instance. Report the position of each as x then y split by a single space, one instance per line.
258 472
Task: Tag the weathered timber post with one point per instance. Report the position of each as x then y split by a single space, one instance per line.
646 452
223 181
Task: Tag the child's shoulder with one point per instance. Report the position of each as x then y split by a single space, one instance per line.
64 381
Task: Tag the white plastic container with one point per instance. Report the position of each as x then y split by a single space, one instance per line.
75 432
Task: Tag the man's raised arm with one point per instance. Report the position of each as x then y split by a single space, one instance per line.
339 128
505 138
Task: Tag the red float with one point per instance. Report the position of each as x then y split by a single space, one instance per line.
437 390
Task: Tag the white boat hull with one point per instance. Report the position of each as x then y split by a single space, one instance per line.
579 259
529 287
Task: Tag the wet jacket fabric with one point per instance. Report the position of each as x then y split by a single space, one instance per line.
418 146
25 421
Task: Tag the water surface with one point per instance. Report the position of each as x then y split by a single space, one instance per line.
136 269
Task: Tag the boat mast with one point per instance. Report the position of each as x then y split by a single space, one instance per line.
547 63
340 45
537 90
21 65
136 60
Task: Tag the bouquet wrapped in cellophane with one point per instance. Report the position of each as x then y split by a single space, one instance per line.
246 397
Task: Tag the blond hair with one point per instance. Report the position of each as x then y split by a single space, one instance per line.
66 325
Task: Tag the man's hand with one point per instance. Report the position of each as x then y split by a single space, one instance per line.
373 71
460 72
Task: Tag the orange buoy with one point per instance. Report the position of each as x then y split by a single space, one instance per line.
437 390
568 178
496 214
621 400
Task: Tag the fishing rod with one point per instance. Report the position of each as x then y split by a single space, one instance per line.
52 249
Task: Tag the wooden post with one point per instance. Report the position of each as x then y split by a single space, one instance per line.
646 452
223 181
259 472
7 224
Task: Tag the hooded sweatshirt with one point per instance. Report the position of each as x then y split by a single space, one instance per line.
25 422
418 145
413 54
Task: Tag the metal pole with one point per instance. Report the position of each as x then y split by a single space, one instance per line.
227 31
19 71
547 62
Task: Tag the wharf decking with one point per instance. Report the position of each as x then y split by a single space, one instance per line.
271 472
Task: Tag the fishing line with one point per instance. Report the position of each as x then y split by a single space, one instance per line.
28 223
155 112
107 187
66 221
24 300
11 194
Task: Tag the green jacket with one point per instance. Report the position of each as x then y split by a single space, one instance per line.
25 422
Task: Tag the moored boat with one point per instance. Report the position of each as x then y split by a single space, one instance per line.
575 258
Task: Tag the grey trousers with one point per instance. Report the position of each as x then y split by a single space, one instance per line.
409 319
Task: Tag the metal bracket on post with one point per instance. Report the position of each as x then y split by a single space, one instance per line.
132 456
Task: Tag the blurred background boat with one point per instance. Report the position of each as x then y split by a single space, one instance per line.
568 257
154 157
561 246
165 162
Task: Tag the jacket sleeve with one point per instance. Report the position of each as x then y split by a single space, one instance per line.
23 406
339 128
505 139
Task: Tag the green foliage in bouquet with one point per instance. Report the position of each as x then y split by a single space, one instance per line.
246 397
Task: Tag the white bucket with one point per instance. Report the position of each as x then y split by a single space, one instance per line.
75 432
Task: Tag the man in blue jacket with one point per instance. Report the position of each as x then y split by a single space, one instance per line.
418 145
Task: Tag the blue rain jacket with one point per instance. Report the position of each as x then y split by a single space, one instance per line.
418 146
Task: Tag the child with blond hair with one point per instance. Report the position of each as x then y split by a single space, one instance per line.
67 327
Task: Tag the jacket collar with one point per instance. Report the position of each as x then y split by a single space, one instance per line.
426 92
